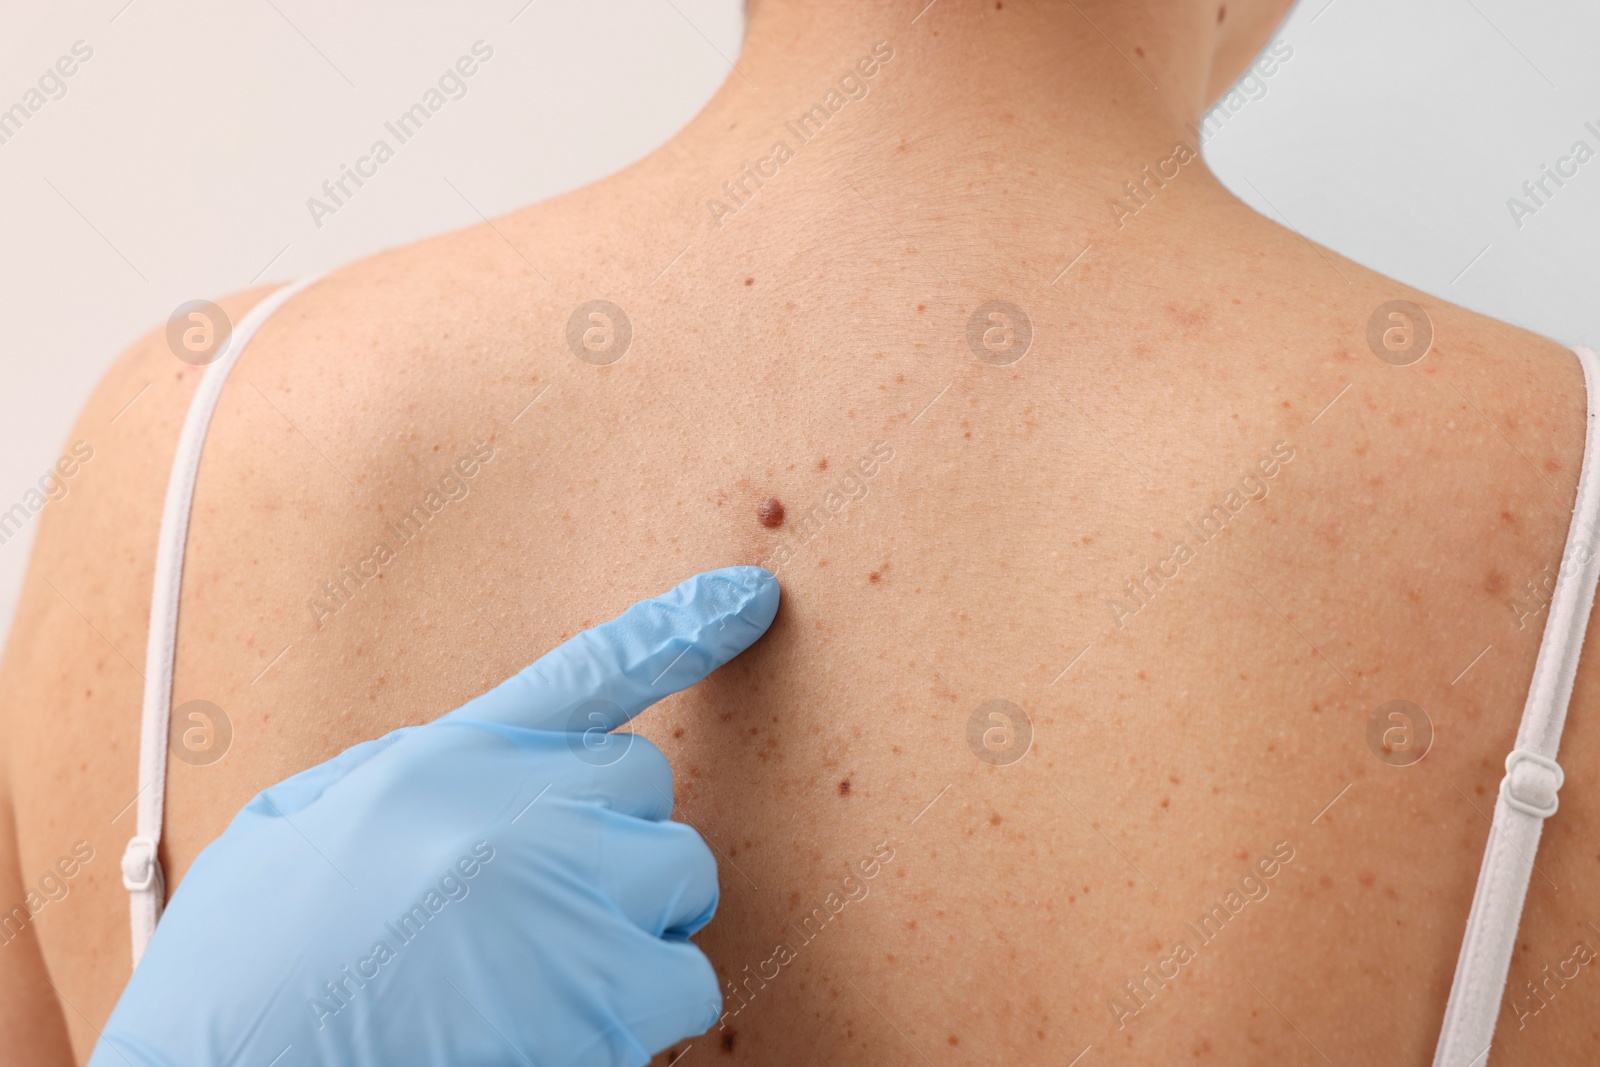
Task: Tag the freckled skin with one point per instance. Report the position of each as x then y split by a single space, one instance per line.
770 513
1008 546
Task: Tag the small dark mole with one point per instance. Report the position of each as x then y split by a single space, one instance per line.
678 732
770 513
749 281
1222 13
874 576
822 464
994 820
727 1041
922 307
1138 51
844 788
954 1040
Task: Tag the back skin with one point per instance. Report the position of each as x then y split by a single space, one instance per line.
1214 729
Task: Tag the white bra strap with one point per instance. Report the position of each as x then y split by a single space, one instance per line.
1528 791
141 869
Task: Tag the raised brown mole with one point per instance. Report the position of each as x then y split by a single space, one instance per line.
770 513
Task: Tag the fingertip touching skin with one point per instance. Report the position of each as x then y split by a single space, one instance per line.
654 649
455 873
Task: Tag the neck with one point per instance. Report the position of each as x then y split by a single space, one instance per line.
1059 95
1150 59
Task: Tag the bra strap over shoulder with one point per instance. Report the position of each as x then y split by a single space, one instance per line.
1528 792
141 864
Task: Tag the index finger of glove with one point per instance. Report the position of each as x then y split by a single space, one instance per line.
606 675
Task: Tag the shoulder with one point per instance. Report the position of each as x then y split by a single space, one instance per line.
72 676
85 596
1418 355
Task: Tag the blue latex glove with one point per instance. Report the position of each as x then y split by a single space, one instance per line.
499 886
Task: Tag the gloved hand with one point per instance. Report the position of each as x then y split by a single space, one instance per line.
499 886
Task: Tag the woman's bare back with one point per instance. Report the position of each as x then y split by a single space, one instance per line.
1193 536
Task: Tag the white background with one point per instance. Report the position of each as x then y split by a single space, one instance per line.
178 164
